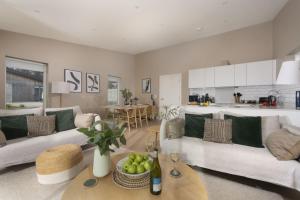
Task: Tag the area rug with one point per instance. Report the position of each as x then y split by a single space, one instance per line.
20 183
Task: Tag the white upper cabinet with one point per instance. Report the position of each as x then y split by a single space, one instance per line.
210 77
240 75
260 73
197 78
224 76
201 78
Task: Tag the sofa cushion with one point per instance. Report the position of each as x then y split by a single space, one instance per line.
194 124
64 120
26 149
40 125
218 130
84 120
175 128
251 162
246 130
14 126
269 124
284 145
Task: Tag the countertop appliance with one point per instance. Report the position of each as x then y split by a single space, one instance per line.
193 99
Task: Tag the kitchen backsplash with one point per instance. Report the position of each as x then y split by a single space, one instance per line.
225 95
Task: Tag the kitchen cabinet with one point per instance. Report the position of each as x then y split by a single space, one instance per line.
201 78
210 77
224 76
240 75
260 73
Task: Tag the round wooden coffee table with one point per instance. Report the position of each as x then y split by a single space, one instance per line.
186 187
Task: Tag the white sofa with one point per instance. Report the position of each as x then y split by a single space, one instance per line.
25 150
251 162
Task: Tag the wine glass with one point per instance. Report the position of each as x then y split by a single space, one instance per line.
149 146
175 157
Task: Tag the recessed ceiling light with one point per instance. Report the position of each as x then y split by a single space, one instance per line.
199 28
36 11
136 7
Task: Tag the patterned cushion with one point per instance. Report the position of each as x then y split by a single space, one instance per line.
218 130
40 125
84 120
284 145
175 128
2 139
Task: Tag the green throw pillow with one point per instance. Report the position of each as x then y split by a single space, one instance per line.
246 130
14 127
194 124
64 120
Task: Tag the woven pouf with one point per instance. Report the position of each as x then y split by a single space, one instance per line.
59 164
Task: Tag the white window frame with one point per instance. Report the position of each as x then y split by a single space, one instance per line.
29 62
117 79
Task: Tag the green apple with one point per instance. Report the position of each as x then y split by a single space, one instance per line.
140 169
145 157
139 158
131 169
135 163
131 156
129 162
148 165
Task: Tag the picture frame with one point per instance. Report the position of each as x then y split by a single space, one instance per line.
74 78
146 85
92 83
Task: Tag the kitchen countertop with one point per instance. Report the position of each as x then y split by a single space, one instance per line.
246 106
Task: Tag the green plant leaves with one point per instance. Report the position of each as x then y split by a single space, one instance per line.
109 135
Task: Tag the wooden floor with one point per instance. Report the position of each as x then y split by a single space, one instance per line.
137 138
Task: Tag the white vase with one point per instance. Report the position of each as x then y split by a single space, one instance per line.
102 163
162 134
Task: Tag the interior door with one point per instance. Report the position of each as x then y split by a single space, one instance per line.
170 89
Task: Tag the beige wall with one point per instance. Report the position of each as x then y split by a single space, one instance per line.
286 29
248 44
60 55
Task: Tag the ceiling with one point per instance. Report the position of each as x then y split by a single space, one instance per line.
133 26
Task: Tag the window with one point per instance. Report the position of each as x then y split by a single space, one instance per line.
25 83
113 91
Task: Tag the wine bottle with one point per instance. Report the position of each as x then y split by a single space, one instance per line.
155 176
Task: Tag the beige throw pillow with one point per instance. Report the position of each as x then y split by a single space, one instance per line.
284 145
269 124
175 128
2 139
40 125
84 120
218 130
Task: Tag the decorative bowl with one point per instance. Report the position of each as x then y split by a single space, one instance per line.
131 176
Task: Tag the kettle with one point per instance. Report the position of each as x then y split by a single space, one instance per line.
272 100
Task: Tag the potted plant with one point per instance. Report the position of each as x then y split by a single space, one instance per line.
103 135
126 95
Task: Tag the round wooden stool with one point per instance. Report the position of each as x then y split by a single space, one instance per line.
59 164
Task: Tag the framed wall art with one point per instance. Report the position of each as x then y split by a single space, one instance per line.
146 85
74 78
92 83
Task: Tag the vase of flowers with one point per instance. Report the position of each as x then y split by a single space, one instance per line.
110 134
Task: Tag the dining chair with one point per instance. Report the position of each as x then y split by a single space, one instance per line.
142 114
128 115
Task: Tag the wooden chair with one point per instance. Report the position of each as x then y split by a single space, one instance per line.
128 115
142 114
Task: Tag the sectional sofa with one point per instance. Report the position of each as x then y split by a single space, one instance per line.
25 150
250 162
